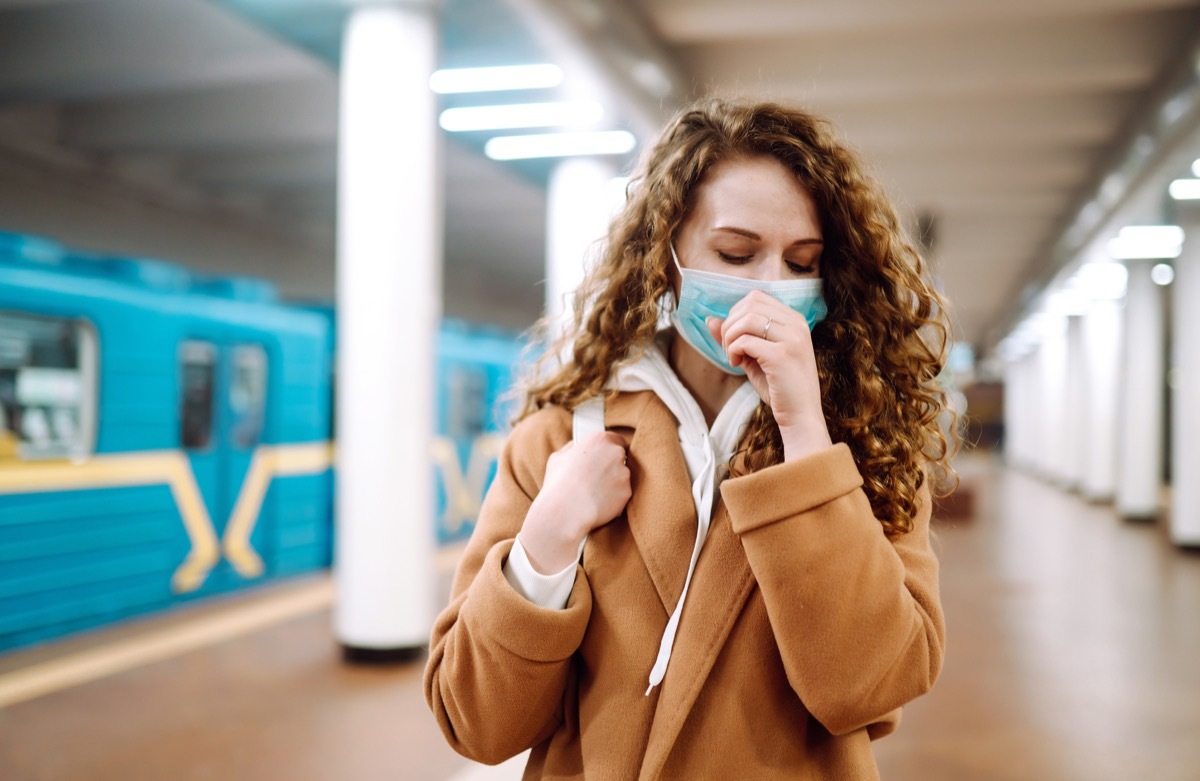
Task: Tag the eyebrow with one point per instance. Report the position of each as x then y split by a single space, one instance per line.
752 235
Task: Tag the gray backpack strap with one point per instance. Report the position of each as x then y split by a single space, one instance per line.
588 418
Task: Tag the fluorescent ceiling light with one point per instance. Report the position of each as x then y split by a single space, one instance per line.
1155 234
1162 274
606 142
521 115
1100 281
1123 249
1185 189
1147 241
509 77
1064 303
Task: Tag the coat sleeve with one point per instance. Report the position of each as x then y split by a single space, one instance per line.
498 664
856 616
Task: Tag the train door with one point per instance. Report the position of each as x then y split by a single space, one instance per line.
244 404
223 389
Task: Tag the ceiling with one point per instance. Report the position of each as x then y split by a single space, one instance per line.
998 119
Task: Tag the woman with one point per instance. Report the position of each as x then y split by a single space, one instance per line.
765 625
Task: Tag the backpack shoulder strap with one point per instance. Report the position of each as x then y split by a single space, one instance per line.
588 418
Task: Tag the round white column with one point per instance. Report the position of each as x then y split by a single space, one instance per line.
1031 414
1013 431
1075 406
1019 427
388 308
1185 411
1101 345
1140 410
579 205
1017 403
1052 453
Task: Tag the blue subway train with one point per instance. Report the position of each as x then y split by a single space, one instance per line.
165 436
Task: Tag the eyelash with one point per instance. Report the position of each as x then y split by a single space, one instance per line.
739 260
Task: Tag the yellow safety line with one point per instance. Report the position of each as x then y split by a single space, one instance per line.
162 643
268 463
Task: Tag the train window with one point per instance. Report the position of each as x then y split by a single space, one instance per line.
48 369
466 397
198 361
248 394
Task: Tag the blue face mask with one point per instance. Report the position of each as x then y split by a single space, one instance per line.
705 294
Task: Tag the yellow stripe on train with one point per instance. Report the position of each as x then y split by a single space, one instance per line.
172 467
464 492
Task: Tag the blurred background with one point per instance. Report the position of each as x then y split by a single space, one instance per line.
266 268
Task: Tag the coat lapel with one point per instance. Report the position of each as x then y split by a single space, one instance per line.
720 587
662 520
661 514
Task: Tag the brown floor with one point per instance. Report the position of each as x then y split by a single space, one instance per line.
1074 653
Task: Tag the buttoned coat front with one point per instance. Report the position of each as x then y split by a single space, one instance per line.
804 631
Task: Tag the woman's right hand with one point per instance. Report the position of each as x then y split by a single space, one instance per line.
586 486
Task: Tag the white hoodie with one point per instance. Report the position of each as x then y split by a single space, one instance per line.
706 453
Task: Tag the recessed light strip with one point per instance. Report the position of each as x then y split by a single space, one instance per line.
1185 189
498 79
605 142
561 114
1147 241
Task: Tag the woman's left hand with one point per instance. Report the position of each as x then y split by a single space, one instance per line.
771 342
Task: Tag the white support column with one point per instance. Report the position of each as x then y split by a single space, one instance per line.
1032 400
389 304
1020 426
1017 407
1140 412
1075 406
1101 344
1051 405
1185 409
579 205
1013 430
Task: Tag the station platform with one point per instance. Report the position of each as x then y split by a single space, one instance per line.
1072 638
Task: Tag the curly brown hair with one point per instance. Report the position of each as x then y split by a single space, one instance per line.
879 349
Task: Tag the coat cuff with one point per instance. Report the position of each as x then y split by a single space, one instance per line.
524 629
550 591
786 490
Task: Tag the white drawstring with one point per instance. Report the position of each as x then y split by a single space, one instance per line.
704 519
653 372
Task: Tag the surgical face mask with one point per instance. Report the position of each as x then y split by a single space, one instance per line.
704 294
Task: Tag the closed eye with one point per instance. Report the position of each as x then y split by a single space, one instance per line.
737 260
796 268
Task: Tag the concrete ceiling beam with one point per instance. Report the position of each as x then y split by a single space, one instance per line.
242 118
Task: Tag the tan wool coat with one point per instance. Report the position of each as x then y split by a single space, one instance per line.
804 630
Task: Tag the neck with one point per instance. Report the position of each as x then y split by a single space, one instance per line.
709 386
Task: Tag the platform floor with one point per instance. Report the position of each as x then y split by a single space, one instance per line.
1073 654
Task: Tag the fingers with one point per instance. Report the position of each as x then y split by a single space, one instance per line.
760 315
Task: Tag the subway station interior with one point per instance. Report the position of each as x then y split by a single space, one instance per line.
227 526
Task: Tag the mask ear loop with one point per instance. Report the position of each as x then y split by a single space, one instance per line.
669 301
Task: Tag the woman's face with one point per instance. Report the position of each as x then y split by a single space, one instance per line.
752 219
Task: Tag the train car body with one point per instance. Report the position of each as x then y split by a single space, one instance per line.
166 436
